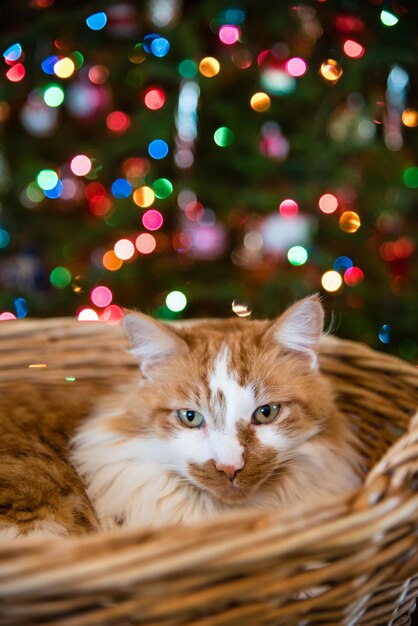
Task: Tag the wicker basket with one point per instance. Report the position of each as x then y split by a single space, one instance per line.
350 560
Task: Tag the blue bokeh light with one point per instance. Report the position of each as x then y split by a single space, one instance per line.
47 64
97 21
121 188
21 307
55 192
160 47
343 263
158 149
4 238
13 52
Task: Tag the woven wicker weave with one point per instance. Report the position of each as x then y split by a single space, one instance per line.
350 560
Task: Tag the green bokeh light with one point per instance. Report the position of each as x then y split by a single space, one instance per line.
53 95
187 68
34 193
47 179
410 177
162 188
297 255
60 277
388 19
223 136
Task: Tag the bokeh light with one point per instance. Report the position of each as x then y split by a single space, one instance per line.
410 177
112 314
209 67
145 243
13 53
154 98
240 308
158 149
16 73
188 68
331 281
21 307
111 262
384 333
353 49
144 196
410 117
97 21
47 179
53 95
7 316
350 221
388 19
260 102
331 71
342 263
288 208
118 122
176 301
124 249
328 203
152 219
80 165
4 238
87 315
160 47
353 276
223 136
101 296
296 67
297 255
229 34
162 188
121 188
64 68
60 277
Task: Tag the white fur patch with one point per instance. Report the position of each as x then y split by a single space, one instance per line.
41 530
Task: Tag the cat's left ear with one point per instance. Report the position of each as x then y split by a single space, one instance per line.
152 342
299 328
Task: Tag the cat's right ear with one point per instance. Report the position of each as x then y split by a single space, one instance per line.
151 342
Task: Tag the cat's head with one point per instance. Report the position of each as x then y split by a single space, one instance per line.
226 404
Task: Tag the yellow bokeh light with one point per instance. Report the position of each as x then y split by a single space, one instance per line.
64 68
350 221
111 262
144 196
410 118
331 280
209 67
260 102
331 70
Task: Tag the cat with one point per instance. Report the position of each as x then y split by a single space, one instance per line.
223 415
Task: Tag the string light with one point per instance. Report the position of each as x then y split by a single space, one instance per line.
176 301
124 249
260 102
80 165
350 221
64 68
331 281
144 196
101 296
209 67
331 71
97 21
328 203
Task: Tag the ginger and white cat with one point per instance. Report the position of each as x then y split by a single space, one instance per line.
223 415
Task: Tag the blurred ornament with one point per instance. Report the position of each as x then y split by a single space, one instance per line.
277 81
279 233
85 100
37 118
273 143
331 71
207 241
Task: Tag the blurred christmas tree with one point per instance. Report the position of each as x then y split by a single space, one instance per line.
178 156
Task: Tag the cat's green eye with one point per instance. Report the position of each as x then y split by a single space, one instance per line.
189 418
266 413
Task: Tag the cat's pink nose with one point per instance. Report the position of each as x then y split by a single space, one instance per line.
229 470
